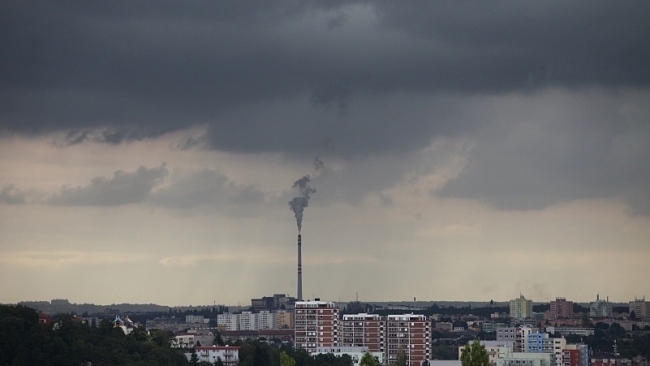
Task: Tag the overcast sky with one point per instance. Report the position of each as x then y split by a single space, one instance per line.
469 150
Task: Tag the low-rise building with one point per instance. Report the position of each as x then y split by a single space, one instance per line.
356 353
229 355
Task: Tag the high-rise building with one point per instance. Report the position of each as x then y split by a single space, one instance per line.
316 325
561 308
600 308
363 330
521 308
640 307
410 333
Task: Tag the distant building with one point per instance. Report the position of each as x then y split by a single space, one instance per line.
444 326
518 335
284 335
194 319
541 343
575 355
521 308
600 308
229 355
275 302
580 331
490 327
525 359
640 307
356 353
494 349
561 308
125 324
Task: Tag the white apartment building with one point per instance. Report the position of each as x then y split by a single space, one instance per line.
600 308
518 335
194 319
521 308
525 359
265 320
640 307
228 321
229 355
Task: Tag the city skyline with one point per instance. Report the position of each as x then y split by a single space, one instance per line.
468 152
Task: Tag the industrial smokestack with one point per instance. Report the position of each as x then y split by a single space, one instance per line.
299 269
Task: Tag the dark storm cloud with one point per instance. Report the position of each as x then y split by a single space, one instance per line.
558 147
146 68
341 79
123 188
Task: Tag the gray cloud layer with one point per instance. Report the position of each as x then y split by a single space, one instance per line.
123 188
203 188
345 79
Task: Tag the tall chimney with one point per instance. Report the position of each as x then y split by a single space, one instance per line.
299 269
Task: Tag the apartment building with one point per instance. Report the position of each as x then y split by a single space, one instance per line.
518 335
640 307
363 330
316 325
600 308
229 355
524 359
410 333
575 355
561 308
541 343
521 308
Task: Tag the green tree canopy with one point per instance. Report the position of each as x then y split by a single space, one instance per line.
286 360
401 358
474 354
367 360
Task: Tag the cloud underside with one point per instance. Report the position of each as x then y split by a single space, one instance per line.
151 186
553 96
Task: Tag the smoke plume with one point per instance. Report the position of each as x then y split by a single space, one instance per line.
298 204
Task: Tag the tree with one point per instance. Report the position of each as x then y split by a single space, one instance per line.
286 360
218 340
474 354
401 358
194 359
367 360
218 362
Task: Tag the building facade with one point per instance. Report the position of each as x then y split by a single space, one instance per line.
410 333
363 330
561 309
640 307
229 355
600 308
316 325
521 308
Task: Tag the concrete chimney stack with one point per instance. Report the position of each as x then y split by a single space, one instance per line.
299 297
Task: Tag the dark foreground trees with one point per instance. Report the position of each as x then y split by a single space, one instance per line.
24 341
